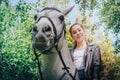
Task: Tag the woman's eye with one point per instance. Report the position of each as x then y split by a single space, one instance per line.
74 32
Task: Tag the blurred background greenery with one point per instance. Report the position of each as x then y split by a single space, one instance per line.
16 54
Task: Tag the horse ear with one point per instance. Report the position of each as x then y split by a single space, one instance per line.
67 10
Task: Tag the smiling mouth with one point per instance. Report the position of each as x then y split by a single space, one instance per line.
79 36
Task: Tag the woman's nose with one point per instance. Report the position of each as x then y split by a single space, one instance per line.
78 32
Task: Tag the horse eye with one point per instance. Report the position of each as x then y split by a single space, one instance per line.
35 17
61 18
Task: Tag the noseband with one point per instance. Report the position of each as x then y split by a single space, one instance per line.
53 44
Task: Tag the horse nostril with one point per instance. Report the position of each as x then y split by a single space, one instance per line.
46 29
35 29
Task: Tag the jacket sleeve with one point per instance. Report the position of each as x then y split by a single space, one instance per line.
96 63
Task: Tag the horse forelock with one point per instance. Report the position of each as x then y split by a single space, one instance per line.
50 8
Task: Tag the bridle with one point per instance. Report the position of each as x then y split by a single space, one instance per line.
55 38
54 44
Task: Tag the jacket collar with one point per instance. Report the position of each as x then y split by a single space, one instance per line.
87 50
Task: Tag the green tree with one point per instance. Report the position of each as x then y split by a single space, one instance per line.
85 5
16 58
110 13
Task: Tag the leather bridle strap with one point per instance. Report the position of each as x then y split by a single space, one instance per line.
55 38
38 62
65 67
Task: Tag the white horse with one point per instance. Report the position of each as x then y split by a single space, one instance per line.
48 35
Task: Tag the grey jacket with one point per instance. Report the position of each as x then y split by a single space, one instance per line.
92 61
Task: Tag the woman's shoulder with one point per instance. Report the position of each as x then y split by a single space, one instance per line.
93 45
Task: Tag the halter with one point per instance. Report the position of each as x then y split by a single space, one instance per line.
54 44
55 38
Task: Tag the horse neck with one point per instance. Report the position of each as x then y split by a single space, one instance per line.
52 65
52 60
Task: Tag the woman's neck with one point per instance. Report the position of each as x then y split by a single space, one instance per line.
81 45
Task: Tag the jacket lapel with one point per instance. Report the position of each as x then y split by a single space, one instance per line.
88 57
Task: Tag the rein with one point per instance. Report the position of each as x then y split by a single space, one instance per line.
60 56
53 45
65 67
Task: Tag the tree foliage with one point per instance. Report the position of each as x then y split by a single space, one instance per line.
107 59
110 13
87 5
16 58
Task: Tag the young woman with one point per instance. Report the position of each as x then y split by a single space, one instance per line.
86 57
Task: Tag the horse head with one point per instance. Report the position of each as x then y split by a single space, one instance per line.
49 28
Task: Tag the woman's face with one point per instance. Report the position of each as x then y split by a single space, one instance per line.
78 33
